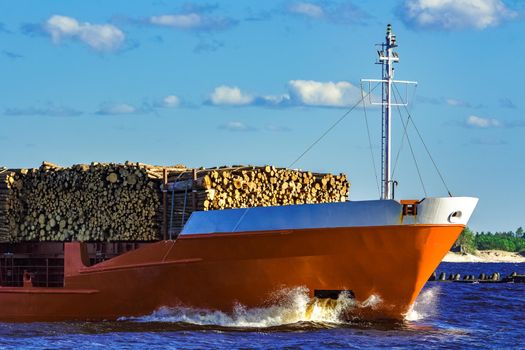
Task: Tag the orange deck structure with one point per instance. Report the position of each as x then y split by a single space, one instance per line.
217 271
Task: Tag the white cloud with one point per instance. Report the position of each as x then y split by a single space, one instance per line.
232 96
236 126
190 20
118 108
455 14
300 93
336 12
307 9
101 37
171 101
479 122
273 100
330 94
457 103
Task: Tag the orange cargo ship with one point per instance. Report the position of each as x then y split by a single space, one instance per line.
382 248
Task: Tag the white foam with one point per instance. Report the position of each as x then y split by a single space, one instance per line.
288 306
372 302
425 305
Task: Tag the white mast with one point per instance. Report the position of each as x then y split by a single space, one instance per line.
387 58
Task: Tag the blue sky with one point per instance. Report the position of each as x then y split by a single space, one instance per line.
252 82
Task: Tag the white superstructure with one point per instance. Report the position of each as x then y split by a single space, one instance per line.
430 211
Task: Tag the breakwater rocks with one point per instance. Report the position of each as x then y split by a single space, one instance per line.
481 278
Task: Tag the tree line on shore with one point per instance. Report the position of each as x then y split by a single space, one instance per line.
511 241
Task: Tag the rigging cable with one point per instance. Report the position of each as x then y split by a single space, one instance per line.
410 145
370 142
331 127
405 130
426 148
404 133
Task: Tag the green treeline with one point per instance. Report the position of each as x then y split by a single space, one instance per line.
510 241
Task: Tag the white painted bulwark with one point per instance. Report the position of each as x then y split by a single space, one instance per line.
449 210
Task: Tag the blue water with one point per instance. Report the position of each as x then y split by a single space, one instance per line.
446 315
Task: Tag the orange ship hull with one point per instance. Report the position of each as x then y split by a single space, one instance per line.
218 271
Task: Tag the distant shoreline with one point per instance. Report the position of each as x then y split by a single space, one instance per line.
485 256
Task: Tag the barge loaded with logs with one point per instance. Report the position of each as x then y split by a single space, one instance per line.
104 241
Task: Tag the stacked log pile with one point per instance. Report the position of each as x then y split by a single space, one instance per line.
6 182
139 202
243 187
84 202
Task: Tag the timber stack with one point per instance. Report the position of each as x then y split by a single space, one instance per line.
248 186
6 182
95 202
140 202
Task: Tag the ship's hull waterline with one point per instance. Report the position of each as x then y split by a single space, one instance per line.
382 249
219 271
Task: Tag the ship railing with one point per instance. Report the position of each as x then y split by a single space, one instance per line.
48 273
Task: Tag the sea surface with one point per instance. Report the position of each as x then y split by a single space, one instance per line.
446 316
